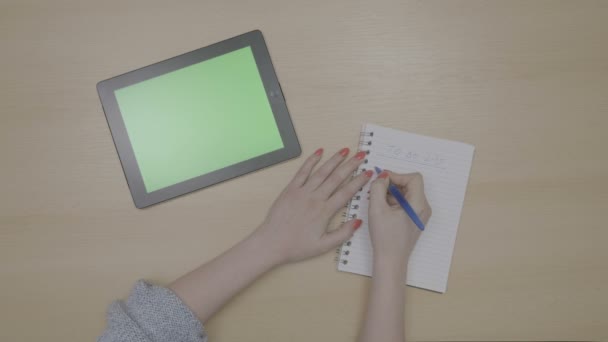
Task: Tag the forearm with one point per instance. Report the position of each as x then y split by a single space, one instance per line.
384 319
207 289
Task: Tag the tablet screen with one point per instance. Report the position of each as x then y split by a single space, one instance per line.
198 119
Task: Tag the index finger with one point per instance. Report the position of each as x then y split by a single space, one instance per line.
410 184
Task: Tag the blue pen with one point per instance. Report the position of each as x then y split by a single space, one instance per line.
403 202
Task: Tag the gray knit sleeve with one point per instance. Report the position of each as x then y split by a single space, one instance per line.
151 314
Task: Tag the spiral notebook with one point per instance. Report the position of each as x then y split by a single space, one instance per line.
445 166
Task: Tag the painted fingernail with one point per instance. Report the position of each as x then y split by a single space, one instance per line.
368 173
344 151
357 224
383 174
360 155
319 152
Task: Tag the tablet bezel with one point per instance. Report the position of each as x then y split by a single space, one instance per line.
106 89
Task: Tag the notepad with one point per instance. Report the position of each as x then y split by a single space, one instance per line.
445 166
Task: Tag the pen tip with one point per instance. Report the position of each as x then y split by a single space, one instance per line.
378 170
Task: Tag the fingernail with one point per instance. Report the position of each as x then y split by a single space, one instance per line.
319 152
344 151
368 173
383 174
357 224
360 155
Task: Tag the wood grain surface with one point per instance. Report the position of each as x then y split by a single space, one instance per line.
526 82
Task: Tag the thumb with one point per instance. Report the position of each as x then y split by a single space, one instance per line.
337 237
378 189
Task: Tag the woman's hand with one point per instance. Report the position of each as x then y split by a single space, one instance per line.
394 236
392 231
295 229
296 225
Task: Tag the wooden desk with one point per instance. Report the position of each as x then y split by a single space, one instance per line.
526 82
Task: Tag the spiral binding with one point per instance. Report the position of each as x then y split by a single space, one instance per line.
342 252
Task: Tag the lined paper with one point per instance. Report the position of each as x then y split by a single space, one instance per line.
445 166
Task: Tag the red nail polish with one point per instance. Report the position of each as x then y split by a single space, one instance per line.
360 155
319 152
344 151
383 174
357 224
368 173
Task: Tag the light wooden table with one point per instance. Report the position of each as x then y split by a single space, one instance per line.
526 82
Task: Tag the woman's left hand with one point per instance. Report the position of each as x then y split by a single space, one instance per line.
296 225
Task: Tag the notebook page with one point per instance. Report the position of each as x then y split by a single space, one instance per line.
445 166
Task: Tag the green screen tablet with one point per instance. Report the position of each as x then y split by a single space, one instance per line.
198 119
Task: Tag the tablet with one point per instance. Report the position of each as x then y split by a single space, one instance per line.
198 119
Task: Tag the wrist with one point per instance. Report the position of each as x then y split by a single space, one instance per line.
265 249
390 265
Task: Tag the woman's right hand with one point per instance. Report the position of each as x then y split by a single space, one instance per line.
393 233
